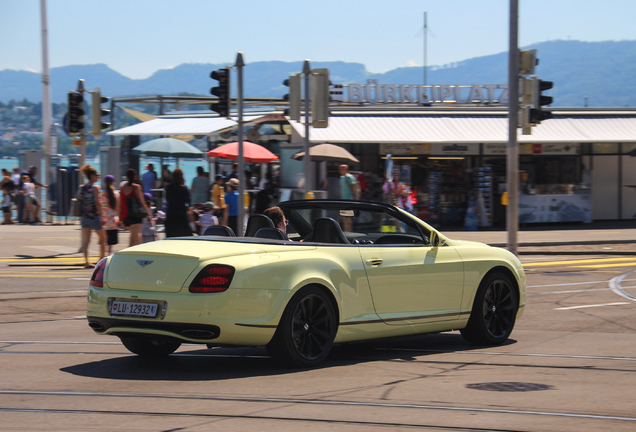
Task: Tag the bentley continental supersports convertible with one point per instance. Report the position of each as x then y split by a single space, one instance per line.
344 271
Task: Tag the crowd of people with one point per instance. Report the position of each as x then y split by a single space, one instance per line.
185 211
21 189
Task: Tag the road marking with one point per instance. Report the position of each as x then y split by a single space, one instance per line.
42 292
572 291
595 260
81 259
37 276
615 285
578 283
606 265
590 306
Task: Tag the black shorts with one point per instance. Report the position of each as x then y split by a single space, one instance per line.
112 237
131 221
6 209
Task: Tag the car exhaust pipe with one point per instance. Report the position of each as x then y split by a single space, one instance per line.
97 326
199 334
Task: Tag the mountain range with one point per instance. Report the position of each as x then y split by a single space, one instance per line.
601 73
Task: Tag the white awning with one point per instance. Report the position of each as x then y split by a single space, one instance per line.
182 126
395 129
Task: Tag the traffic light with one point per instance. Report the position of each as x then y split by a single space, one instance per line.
75 113
293 96
97 112
222 92
537 114
320 98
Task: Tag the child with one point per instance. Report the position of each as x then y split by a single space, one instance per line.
7 195
109 199
207 218
148 229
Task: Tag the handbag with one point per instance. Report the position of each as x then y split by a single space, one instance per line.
135 209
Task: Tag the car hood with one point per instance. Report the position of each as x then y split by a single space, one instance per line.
468 243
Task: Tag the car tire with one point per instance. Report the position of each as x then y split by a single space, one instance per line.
150 347
306 331
494 311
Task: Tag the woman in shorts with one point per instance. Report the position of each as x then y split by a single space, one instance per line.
91 213
131 223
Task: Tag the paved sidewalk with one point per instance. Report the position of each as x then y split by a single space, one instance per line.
58 241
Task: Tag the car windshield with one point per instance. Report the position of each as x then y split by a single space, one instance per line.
359 224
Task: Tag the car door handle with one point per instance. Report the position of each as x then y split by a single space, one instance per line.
374 261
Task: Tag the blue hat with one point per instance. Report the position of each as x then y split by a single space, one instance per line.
109 178
219 177
148 196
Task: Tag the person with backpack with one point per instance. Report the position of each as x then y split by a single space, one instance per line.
91 213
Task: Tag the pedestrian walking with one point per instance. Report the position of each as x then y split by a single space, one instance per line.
91 211
178 216
35 198
148 224
7 200
27 190
348 184
200 187
231 212
109 200
128 193
149 179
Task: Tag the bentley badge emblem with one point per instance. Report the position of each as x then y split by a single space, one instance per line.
144 263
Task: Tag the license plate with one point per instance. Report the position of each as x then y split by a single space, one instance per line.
134 309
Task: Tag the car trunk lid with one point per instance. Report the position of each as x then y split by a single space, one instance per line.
164 266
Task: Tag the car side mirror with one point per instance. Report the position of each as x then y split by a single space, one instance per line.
436 241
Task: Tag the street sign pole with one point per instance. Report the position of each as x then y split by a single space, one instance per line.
307 158
512 210
241 170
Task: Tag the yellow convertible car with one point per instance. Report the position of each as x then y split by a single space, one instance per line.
344 271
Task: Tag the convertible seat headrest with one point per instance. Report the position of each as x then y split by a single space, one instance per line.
327 230
219 230
256 222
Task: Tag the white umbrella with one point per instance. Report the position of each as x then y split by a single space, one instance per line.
327 152
169 147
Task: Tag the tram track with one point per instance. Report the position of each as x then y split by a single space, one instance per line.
314 402
322 421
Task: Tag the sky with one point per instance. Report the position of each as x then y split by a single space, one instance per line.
138 37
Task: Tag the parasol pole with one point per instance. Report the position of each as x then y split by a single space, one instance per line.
239 99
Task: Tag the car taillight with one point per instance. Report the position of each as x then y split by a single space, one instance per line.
97 280
212 279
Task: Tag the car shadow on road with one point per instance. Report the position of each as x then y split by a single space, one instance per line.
231 363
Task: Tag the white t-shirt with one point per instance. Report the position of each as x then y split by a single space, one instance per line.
29 188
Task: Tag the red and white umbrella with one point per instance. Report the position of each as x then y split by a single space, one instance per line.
252 153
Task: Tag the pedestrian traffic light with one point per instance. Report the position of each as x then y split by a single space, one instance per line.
222 92
320 98
75 113
97 112
537 114
293 96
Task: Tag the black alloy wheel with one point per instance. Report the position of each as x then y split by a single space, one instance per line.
307 329
494 311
